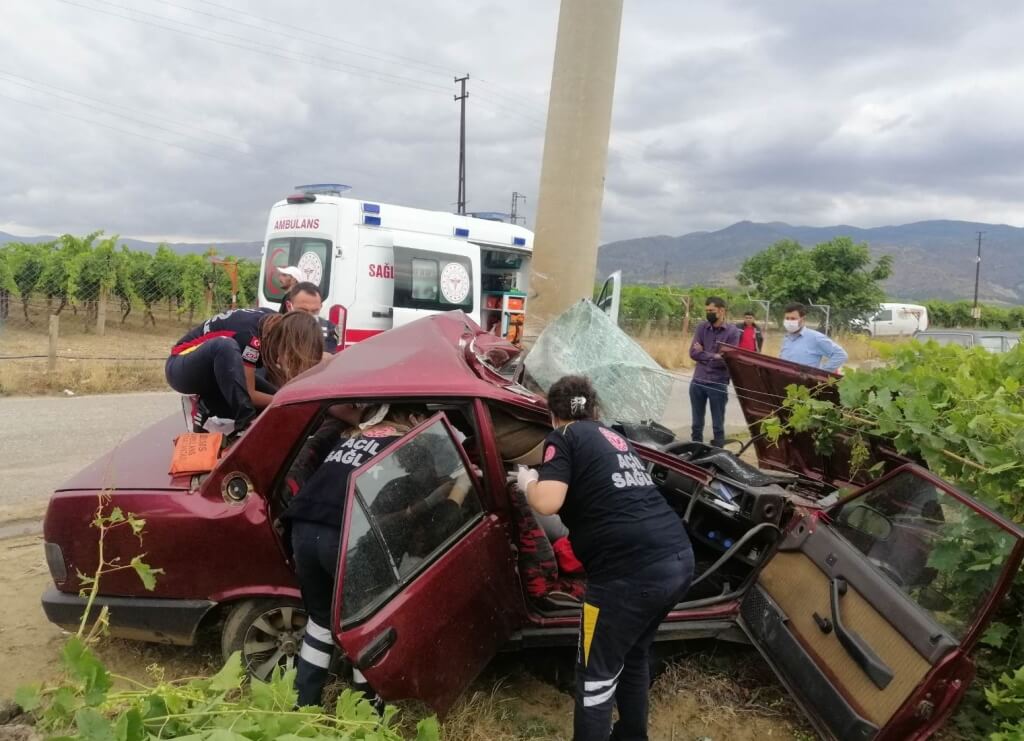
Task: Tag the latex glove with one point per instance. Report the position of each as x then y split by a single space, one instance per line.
524 477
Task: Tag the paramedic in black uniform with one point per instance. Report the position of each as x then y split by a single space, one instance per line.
217 360
634 549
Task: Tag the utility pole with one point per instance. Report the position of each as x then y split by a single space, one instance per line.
664 274
568 218
514 213
976 312
462 142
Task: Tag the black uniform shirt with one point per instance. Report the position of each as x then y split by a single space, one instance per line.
618 520
241 325
322 497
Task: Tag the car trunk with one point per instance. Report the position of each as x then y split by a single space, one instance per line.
760 382
139 463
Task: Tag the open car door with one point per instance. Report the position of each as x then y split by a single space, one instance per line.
426 590
867 614
610 296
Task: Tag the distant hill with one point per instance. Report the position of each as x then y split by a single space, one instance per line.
249 250
932 259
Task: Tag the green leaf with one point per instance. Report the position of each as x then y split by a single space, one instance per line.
147 574
996 634
129 727
83 665
92 726
428 729
29 697
230 676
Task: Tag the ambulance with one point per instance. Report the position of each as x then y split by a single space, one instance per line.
380 266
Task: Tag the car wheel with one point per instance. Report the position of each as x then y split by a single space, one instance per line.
267 632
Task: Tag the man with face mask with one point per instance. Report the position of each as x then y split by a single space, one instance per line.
807 346
710 385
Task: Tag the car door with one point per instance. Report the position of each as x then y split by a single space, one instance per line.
609 297
427 589
867 614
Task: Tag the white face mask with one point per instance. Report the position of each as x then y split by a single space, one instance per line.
791 325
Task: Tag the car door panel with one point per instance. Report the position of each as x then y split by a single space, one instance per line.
858 616
435 651
421 621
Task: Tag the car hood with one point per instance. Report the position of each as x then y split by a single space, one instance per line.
760 383
139 463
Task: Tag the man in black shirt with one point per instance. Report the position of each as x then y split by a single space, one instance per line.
633 547
217 361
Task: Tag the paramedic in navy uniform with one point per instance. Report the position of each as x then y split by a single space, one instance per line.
634 549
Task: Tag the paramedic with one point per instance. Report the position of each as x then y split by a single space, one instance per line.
305 297
217 361
316 514
634 549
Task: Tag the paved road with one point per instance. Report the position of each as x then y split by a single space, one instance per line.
44 440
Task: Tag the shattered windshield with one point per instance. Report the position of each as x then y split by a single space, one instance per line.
631 386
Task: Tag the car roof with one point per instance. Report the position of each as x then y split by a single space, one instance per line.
425 358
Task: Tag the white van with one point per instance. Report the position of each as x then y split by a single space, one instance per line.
894 320
379 266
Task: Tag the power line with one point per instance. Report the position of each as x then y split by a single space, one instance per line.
118 129
121 115
108 104
314 61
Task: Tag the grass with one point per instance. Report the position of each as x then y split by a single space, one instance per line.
129 358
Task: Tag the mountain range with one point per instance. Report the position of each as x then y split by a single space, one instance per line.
931 259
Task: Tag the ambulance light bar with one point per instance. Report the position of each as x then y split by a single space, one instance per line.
323 189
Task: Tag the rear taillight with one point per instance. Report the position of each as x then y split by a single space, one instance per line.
55 560
338 315
301 198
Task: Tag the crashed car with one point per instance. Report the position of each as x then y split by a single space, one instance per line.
842 595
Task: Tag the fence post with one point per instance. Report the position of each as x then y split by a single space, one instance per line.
101 311
51 363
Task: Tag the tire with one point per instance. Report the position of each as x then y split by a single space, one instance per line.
267 631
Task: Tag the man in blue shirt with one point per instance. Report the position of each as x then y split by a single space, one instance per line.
710 385
807 346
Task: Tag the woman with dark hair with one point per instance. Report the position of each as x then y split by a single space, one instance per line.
216 361
633 547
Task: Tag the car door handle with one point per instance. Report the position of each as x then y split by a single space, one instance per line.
375 649
869 662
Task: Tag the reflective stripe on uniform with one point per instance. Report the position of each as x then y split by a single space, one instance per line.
314 656
607 685
319 632
590 613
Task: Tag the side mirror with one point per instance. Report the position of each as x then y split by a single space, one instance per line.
866 520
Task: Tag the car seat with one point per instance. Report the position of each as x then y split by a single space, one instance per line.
538 566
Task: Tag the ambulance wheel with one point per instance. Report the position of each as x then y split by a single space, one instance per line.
268 633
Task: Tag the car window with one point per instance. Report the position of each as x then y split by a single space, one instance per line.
992 344
884 316
964 340
415 500
941 553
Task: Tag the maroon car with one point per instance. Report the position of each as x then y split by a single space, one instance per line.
845 597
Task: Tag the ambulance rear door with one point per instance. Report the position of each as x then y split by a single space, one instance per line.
301 235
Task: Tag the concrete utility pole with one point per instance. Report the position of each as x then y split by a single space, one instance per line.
575 156
462 143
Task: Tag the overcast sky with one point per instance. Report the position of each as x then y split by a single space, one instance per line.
806 111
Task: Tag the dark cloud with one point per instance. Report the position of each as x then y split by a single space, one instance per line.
806 111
